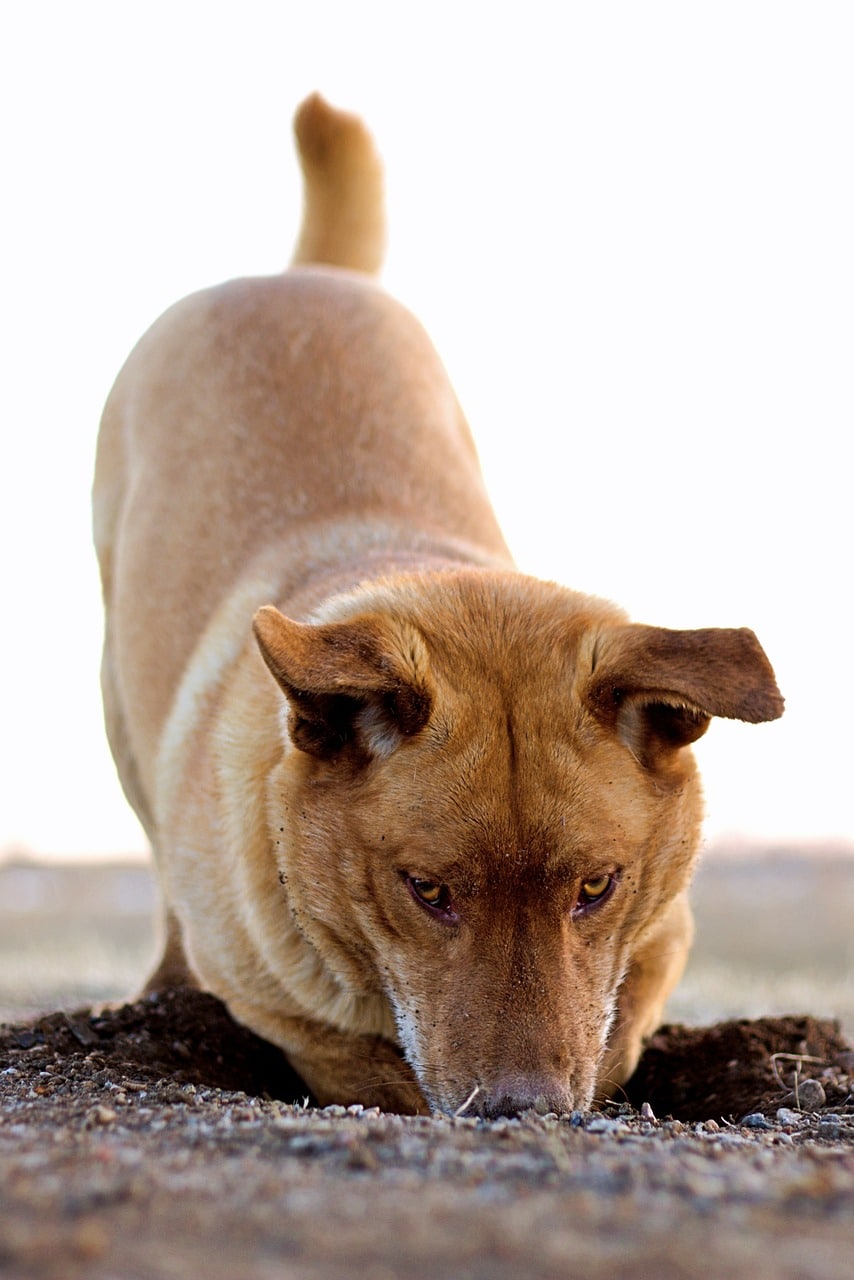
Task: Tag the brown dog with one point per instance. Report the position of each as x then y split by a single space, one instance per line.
430 829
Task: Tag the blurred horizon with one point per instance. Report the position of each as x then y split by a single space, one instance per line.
729 847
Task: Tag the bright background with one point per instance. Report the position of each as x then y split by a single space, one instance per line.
629 228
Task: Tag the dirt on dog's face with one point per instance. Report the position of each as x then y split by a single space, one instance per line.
486 815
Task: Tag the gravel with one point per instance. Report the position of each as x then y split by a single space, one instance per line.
160 1140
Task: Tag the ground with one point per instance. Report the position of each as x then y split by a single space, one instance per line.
157 1139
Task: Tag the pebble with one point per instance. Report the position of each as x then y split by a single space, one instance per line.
756 1120
811 1095
102 1115
829 1127
602 1124
789 1118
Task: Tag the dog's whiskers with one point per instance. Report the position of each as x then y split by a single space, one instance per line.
600 1100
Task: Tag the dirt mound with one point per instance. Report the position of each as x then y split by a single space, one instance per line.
736 1068
184 1035
721 1072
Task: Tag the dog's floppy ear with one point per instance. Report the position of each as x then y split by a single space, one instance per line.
360 685
660 688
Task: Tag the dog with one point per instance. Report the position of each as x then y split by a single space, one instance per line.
421 821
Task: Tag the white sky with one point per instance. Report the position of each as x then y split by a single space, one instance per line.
629 229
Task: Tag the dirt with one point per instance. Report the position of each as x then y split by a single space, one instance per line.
159 1139
745 1066
688 1073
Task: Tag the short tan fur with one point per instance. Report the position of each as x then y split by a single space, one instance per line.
428 824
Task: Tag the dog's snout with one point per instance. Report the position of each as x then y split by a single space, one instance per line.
513 1094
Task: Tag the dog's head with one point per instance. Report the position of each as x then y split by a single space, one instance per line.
490 803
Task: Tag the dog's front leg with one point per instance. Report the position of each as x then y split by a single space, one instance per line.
655 970
344 1068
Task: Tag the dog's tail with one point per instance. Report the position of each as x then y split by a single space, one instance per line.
343 220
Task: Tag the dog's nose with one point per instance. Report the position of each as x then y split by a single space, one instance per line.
511 1095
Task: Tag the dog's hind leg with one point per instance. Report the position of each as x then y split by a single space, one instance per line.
173 969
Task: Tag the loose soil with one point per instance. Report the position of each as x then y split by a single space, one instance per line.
159 1139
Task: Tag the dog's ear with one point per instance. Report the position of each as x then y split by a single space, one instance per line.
360 686
660 688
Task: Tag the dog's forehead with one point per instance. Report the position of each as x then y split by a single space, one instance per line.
523 829
495 629
486 802
477 621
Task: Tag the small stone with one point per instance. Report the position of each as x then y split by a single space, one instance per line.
788 1118
755 1120
82 1032
601 1124
647 1113
711 1126
829 1127
811 1095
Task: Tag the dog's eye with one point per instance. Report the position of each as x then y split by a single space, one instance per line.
594 889
433 896
429 892
594 892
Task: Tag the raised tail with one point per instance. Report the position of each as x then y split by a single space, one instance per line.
343 221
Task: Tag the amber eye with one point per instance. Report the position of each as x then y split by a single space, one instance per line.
593 892
434 897
429 892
